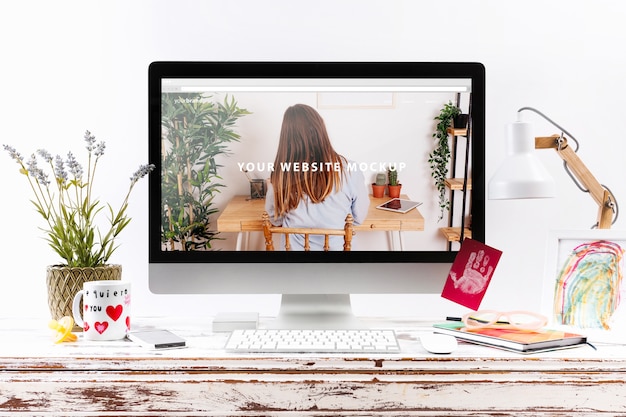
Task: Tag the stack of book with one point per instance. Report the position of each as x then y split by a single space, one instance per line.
522 341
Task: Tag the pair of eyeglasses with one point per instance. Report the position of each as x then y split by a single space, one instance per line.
520 320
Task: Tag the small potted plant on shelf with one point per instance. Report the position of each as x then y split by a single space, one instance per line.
378 187
64 196
460 121
394 186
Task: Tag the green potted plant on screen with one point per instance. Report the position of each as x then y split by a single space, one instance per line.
439 158
394 186
81 229
378 187
195 130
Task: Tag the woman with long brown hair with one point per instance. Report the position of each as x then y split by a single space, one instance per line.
312 185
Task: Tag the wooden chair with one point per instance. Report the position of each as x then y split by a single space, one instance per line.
347 232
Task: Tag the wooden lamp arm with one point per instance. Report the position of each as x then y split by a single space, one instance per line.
600 194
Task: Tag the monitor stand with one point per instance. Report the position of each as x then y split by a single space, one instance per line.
316 311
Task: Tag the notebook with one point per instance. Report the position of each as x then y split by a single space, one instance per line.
522 341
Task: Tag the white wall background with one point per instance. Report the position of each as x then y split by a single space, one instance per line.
75 65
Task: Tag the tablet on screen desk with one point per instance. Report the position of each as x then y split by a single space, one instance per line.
399 205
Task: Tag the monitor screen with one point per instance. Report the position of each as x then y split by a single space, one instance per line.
215 134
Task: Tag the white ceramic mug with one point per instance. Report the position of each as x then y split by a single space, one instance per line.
106 309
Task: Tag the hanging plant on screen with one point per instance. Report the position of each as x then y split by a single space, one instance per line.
439 158
194 131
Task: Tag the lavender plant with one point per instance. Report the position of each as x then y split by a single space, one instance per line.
63 195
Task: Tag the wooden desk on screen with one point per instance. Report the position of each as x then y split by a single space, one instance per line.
120 378
242 215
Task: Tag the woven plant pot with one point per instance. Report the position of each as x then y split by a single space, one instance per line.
64 282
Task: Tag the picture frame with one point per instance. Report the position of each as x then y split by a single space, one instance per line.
583 285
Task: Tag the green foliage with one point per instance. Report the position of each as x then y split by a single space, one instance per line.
381 178
392 175
439 158
68 207
195 131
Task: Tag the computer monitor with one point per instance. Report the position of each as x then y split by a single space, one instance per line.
213 135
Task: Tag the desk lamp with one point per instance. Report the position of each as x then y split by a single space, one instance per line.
523 176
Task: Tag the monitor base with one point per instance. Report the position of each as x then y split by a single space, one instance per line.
316 311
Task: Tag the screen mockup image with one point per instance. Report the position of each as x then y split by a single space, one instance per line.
214 131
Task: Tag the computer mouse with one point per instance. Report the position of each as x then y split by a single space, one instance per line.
439 343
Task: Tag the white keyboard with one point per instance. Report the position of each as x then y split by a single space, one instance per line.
314 341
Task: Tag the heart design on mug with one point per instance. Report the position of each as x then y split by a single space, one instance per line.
115 312
101 327
86 307
128 323
85 326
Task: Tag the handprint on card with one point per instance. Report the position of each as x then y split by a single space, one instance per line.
471 273
476 274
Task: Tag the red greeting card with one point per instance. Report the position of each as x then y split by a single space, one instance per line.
471 273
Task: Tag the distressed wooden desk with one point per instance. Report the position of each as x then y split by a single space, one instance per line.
122 379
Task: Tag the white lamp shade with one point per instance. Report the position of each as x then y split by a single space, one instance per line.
521 175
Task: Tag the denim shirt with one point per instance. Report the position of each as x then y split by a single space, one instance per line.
353 197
